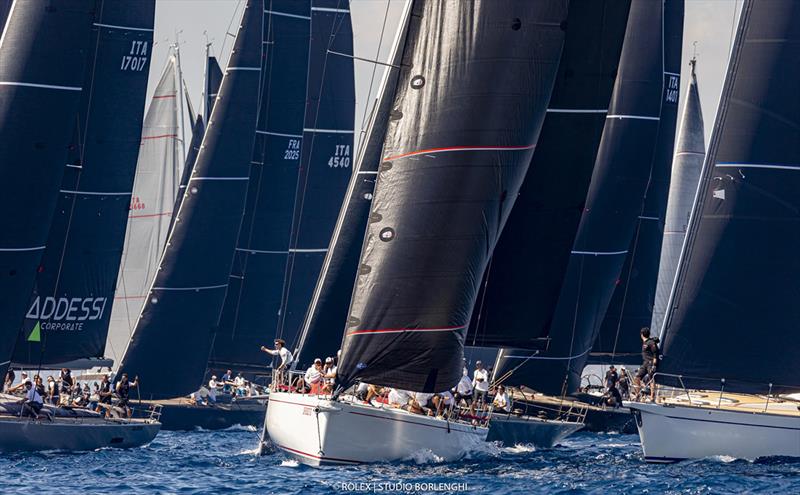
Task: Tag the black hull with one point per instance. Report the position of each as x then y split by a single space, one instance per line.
598 419
187 417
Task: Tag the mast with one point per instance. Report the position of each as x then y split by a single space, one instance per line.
733 311
42 56
686 169
183 304
530 260
70 308
321 333
151 209
454 156
631 306
299 175
180 92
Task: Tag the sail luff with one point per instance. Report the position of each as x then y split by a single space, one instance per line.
454 158
687 166
733 311
151 209
42 55
183 305
322 327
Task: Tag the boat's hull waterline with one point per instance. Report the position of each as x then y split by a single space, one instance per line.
317 431
26 435
673 433
179 415
541 433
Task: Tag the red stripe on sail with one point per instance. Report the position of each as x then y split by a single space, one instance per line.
460 148
163 96
398 330
153 215
160 137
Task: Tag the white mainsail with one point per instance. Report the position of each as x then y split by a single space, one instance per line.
154 190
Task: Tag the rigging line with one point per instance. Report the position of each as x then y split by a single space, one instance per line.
228 30
482 303
574 326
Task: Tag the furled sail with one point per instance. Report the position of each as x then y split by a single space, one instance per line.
733 314
322 329
631 306
299 175
528 265
458 145
173 335
151 208
686 168
43 51
613 204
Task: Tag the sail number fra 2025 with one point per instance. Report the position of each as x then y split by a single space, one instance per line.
136 59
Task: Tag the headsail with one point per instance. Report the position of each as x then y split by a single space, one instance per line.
151 208
455 153
43 51
733 314
322 328
530 259
213 78
686 169
70 307
613 203
299 175
173 335
631 306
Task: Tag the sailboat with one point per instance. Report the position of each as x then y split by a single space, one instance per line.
730 339
66 321
540 229
185 296
445 185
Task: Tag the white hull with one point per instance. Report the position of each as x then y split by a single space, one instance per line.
670 433
318 431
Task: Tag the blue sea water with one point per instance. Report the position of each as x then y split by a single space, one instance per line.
224 462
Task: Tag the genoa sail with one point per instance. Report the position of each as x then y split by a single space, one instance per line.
455 154
151 208
631 306
528 265
70 308
322 329
174 332
733 314
686 168
43 51
613 204
299 175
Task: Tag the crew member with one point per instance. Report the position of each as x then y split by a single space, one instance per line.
649 362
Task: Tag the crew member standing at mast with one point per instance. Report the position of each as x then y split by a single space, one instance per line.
649 363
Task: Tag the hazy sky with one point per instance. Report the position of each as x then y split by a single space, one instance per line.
708 22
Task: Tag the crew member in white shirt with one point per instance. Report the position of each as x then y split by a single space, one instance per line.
212 389
314 377
500 402
286 357
33 401
480 385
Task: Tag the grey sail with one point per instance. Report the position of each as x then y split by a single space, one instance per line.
733 314
151 209
70 307
174 332
322 328
456 151
43 51
687 165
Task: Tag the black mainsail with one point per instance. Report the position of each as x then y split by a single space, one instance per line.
213 78
631 306
530 259
322 328
613 204
43 51
734 313
70 308
686 169
300 171
174 333
455 154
